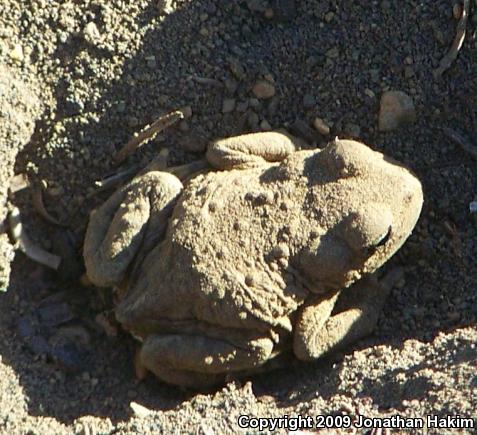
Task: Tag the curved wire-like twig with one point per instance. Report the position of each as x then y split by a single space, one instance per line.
24 243
451 55
39 206
149 133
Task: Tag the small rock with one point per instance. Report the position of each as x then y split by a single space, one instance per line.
269 14
265 125
231 85
263 89
321 126
228 105
302 129
237 69
329 16
397 109
16 53
254 103
139 410
408 72
242 106
151 61
164 7
91 32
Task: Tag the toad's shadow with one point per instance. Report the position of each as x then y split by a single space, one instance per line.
163 76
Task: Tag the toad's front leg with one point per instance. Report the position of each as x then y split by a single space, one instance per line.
133 218
249 150
318 332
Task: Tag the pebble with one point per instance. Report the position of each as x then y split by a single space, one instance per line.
396 109
151 61
228 105
16 53
321 126
329 16
139 410
302 129
265 125
263 89
164 7
91 32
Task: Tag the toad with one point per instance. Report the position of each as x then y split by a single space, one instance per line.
246 261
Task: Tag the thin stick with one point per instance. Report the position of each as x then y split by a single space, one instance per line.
148 133
113 180
207 81
39 206
451 55
22 241
462 141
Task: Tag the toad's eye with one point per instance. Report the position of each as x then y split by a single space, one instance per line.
381 241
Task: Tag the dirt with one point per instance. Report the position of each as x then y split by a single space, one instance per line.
105 69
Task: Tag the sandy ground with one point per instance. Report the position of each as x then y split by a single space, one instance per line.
103 69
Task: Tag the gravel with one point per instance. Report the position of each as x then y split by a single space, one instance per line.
102 70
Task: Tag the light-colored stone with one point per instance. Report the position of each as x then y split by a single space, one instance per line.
139 410
16 53
321 126
91 32
397 109
263 89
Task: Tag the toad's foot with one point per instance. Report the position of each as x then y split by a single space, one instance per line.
133 218
199 361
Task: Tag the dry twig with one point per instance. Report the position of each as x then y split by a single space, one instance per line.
22 241
39 206
149 133
207 81
113 180
451 55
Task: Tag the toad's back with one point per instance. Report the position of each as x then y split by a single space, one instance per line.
222 259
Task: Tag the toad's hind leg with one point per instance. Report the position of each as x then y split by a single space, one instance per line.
199 361
133 218
249 150
361 305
